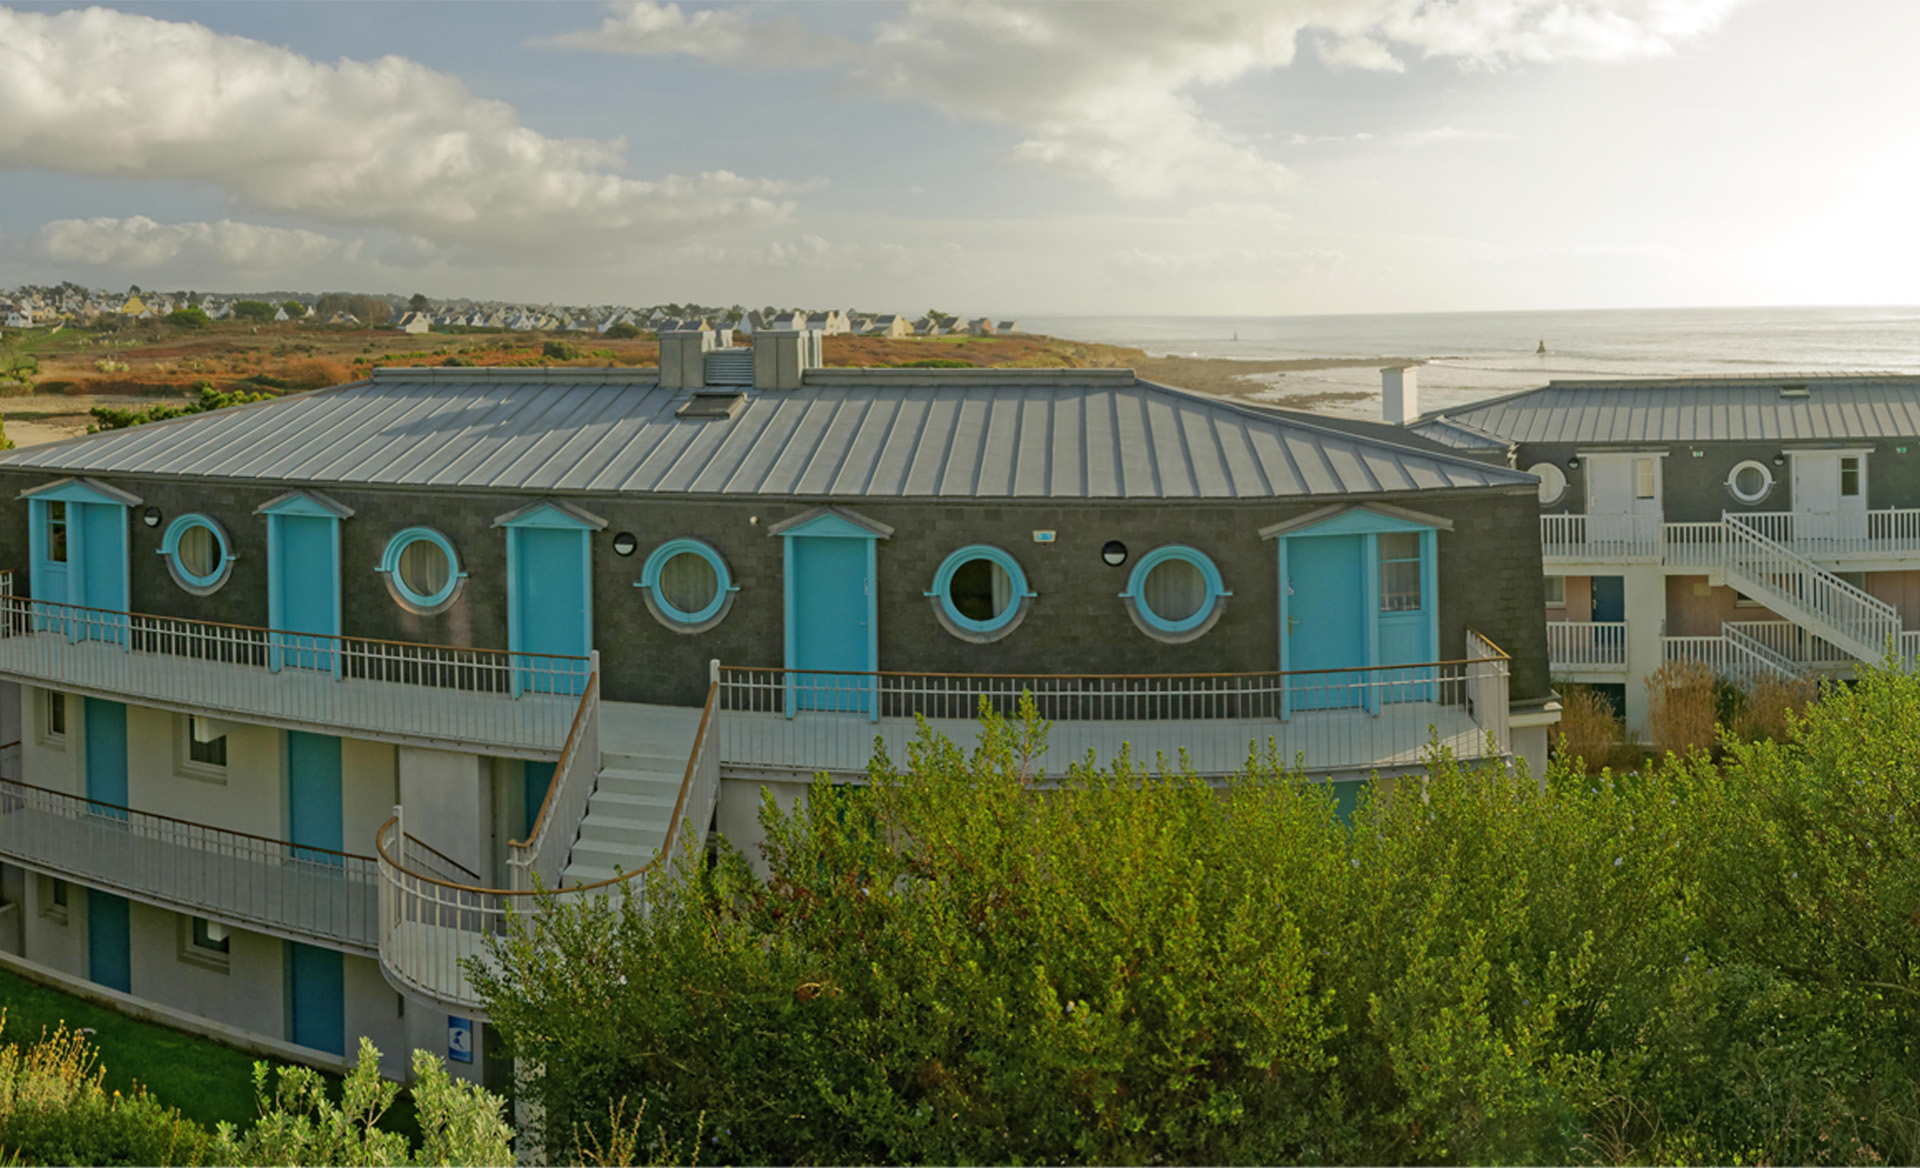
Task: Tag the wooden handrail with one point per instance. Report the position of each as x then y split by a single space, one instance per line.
560 768
693 764
190 823
1122 676
272 632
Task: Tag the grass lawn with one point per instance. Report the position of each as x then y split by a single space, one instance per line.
208 1082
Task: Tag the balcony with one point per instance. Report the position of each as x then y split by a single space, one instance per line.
513 704
1587 646
1828 537
251 882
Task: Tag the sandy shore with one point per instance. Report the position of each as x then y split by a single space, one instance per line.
1264 382
34 419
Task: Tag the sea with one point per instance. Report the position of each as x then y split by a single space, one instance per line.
1469 356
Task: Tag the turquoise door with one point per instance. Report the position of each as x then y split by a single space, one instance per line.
315 816
539 778
105 730
307 581
317 998
1327 620
109 941
829 618
551 600
102 580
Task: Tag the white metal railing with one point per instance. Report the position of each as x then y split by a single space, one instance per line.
1793 643
1345 719
1599 537
1773 573
518 704
1587 644
267 885
1757 651
542 856
1837 534
1694 545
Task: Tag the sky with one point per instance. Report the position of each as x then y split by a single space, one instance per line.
1296 157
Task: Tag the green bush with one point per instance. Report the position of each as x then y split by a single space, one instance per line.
1710 961
559 351
257 311
189 318
119 418
622 332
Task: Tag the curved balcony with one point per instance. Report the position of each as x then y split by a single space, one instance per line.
247 881
515 704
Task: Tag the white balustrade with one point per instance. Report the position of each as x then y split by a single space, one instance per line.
1600 537
518 704
542 856
1776 575
1587 644
266 885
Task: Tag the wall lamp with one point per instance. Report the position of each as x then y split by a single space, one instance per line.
151 517
624 544
1113 553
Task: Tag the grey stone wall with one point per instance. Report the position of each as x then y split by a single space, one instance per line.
1489 578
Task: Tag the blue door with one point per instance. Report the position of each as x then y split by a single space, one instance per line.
102 581
105 728
1609 598
551 597
539 778
1327 620
109 941
315 818
308 583
317 997
830 622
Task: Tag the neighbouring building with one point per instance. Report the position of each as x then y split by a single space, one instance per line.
309 692
1762 525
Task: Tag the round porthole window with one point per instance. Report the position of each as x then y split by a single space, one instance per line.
687 585
1553 482
198 553
980 594
1750 481
1175 593
422 570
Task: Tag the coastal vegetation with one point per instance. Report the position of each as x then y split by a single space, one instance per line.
1712 959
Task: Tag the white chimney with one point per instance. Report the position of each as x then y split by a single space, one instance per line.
1400 394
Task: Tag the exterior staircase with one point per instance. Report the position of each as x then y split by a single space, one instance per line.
628 816
1751 656
1806 594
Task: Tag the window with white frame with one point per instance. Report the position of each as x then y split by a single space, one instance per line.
1646 478
1556 591
1850 484
1400 574
1750 481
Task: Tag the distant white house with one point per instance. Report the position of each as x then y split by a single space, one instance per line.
19 318
982 327
279 313
1009 326
926 326
416 322
890 324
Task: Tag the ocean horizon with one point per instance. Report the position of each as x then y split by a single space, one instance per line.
1474 355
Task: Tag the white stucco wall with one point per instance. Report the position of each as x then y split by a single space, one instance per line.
449 802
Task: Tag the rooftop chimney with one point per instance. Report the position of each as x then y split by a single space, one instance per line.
1400 394
782 356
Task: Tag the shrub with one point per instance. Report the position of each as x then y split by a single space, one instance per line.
118 418
559 351
1711 961
54 1110
1772 705
257 311
1681 706
622 332
189 318
1588 730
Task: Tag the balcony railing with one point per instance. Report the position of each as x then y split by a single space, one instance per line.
1326 720
1817 535
266 885
1842 534
1600 537
516 704
542 856
1587 644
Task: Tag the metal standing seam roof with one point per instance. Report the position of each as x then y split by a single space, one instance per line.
844 434
1835 407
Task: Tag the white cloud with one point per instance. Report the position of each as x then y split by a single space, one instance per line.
386 143
1110 91
726 35
139 242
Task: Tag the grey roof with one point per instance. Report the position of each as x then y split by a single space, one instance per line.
1847 406
846 433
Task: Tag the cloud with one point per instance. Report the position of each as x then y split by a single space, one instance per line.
386 143
1111 92
725 35
139 242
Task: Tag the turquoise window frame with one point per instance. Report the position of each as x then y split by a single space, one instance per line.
1203 616
170 548
390 567
964 626
663 609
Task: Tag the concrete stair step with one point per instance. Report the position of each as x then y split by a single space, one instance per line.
637 783
662 762
629 833
602 854
651 806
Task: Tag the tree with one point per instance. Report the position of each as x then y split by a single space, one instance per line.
189 318
257 311
418 302
624 331
294 308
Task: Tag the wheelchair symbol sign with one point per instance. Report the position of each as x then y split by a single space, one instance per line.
459 1039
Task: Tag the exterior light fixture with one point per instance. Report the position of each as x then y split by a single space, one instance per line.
1113 553
151 517
1779 460
624 544
1573 464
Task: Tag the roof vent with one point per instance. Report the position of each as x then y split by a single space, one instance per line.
712 405
1795 391
729 367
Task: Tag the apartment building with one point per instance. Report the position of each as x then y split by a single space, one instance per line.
1756 524
311 692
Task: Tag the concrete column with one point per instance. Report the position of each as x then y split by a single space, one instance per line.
1646 614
